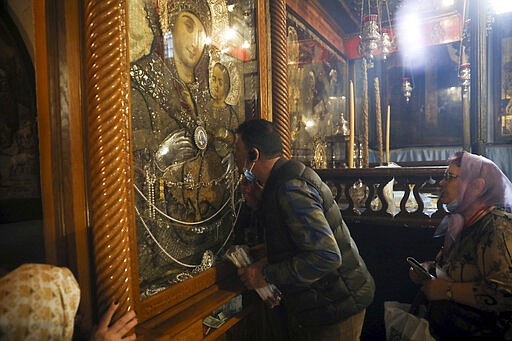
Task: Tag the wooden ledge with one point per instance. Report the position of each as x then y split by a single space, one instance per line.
187 323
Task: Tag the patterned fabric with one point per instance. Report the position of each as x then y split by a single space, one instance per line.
38 302
302 208
483 254
454 321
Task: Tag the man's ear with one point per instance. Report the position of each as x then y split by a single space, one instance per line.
253 154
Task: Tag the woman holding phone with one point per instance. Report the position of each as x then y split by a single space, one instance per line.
472 293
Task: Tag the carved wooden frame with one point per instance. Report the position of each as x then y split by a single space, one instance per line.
110 181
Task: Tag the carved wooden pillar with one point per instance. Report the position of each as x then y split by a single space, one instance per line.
108 124
364 114
280 112
478 60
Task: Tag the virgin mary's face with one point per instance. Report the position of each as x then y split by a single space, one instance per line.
189 38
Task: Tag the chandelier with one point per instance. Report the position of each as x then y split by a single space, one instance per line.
374 38
370 36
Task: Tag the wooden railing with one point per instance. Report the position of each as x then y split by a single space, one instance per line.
364 198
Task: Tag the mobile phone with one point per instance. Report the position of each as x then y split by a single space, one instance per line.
418 268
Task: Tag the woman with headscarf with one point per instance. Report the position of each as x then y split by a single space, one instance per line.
40 301
472 294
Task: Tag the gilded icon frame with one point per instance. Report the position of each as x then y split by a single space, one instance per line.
111 169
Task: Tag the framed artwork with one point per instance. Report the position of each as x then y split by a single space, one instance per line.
317 91
503 74
187 76
20 194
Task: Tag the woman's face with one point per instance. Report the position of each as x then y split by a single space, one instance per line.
450 184
188 38
218 83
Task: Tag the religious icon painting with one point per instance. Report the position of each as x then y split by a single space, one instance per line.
20 194
503 75
317 94
186 62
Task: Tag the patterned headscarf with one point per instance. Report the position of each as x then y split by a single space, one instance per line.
38 302
497 192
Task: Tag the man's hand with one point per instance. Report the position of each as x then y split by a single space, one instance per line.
118 330
252 276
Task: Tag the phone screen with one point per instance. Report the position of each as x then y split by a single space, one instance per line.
417 267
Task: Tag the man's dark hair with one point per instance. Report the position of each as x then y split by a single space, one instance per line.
262 135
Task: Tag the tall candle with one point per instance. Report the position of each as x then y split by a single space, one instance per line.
388 124
352 130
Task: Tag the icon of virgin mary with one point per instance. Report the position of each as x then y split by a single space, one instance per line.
183 185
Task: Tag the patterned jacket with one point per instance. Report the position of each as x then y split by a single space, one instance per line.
312 257
482 254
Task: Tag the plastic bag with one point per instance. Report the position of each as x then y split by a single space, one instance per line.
402 325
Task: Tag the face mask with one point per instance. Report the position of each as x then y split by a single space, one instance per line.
248 173
452 205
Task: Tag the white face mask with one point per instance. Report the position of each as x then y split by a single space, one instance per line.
248 173
452 205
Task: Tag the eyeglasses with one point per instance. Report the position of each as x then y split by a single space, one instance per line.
447 176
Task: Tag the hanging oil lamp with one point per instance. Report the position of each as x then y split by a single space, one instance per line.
465 76
406 88
386 43
370 37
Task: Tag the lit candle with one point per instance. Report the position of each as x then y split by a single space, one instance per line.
352 131
388 123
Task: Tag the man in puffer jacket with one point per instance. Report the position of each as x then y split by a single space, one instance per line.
311 256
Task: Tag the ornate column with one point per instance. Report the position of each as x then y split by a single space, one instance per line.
364 114
108 127
478 59
378 119
279 58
